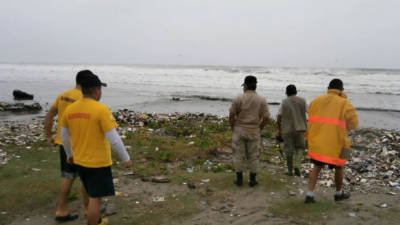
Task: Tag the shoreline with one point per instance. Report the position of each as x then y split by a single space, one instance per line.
368 119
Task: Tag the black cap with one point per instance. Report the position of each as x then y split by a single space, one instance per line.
336 84
291 90
82 75
250 80
92 81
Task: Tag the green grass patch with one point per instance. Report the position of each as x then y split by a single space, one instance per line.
174 208
29 182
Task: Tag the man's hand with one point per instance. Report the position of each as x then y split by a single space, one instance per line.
128 164
70 160
50 140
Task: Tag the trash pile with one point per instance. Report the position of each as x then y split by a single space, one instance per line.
131 121
374 165
21 132
136 119
375 161
4 157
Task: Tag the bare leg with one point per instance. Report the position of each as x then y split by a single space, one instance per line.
339 174
85 199
65 188
94 211
313 177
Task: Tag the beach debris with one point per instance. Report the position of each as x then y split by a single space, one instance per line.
21 133
21 95
158 199
375 162
36 169
160 179
4 157
352 214
269 215
381 205
191 185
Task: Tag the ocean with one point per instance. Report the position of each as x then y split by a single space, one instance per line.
207 89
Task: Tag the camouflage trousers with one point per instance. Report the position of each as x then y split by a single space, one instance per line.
294 146
245 151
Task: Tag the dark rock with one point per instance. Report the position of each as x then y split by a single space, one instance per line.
20 107
20 95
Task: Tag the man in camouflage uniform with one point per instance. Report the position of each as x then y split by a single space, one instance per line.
248 115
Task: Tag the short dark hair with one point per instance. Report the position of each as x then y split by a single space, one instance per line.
250 79
336 84
88 90
251 86
291 90
82 75
250 82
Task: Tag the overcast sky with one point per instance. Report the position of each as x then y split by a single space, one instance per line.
294 33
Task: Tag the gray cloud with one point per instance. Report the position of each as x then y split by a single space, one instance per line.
307 33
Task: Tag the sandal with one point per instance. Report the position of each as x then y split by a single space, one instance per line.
66 218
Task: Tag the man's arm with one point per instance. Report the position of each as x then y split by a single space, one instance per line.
232 114
350 116
264 114
264 123
65 138
118 146
232 121
279 121
48 124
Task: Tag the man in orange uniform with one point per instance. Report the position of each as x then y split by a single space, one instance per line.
329 117
68 171
88 133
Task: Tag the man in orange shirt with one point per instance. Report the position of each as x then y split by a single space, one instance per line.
68 171
88 133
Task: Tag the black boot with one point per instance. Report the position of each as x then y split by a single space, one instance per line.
253 180
297 172
289 162
239 179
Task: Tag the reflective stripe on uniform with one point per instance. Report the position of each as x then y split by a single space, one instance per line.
327 159
327 120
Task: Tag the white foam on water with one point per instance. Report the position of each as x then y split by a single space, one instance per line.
129 85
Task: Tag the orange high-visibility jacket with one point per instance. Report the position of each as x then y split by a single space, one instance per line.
329 116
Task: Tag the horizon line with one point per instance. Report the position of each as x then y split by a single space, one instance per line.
195 65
